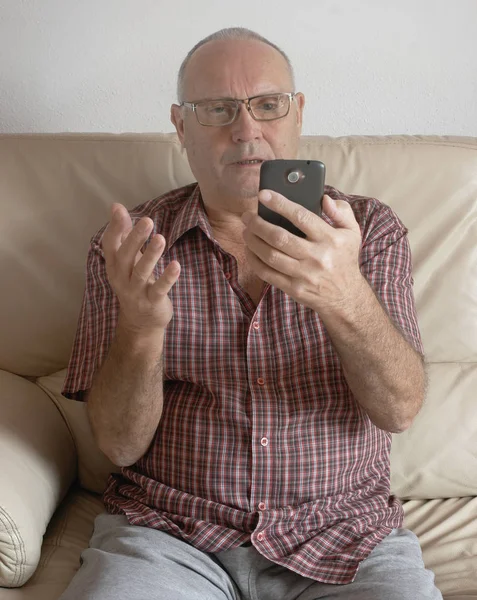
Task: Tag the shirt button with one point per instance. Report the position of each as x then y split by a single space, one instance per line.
260 537
262 506
264 441
228 275
256 325
261 381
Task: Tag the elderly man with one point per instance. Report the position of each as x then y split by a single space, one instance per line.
244 378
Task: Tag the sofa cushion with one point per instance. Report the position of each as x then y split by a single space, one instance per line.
93 466
55 193
37 466
447 532
67 535
436 457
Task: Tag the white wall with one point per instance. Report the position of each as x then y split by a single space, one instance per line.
365 66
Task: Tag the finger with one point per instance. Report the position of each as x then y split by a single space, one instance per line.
275 236
165 282
271 256
127 254
144 268
267 273
119 225
138 253
341 213
311 225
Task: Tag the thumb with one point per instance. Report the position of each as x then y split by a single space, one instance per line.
340 212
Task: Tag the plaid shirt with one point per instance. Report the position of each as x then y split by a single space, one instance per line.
260 437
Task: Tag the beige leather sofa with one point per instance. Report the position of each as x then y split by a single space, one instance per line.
55 192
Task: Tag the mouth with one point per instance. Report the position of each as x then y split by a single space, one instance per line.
249 163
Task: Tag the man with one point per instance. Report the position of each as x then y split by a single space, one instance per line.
246 379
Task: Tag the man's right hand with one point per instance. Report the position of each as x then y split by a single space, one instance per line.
145 307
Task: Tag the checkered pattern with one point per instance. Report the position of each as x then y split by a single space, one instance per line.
260 438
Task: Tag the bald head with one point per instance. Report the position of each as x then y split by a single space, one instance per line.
192 67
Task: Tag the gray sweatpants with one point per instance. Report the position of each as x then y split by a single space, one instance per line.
125 562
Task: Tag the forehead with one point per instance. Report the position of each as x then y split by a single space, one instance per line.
237 69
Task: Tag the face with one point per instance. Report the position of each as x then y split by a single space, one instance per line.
235 69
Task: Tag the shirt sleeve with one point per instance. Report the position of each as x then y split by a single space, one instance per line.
386 263
96 325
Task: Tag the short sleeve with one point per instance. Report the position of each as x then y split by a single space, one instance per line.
96 325
386 263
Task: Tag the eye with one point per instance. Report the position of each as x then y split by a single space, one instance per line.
217 108
268 105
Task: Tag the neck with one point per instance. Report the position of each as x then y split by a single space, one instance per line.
227 223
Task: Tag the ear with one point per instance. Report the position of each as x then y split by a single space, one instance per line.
178 121
300 105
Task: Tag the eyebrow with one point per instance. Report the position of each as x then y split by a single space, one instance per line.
230 98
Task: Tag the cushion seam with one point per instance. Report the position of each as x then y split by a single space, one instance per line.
18 546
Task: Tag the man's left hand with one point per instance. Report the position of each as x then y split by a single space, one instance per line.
320 271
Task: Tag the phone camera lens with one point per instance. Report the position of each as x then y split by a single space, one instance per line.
293 177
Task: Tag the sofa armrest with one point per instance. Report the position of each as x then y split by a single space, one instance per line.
37 467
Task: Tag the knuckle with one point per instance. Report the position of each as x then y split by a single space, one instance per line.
139 276
273 258
297 287
281 239
302 215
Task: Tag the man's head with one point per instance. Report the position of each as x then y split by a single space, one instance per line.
238 64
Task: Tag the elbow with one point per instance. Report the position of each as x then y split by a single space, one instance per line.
391 425
404 423
401 426
398 422
111 444
119 457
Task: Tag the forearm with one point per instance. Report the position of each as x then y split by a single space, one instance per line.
126 398
385 374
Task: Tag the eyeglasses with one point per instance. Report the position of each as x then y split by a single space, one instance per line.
217 113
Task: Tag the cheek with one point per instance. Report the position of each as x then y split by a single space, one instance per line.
291 140
204 156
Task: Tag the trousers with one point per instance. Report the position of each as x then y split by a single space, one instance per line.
127 562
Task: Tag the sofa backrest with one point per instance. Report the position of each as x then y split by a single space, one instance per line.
55 193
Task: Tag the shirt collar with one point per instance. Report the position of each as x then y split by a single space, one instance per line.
191 214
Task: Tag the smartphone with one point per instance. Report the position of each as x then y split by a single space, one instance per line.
301 181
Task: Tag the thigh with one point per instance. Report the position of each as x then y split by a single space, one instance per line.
125 562
393 571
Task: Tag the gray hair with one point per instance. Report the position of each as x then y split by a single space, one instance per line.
231 33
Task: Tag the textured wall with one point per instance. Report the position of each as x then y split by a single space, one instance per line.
365 66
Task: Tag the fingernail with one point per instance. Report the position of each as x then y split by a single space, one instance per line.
265 196
143 226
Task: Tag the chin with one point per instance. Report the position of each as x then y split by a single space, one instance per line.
246 188
248 193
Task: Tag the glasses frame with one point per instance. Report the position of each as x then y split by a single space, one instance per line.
193 106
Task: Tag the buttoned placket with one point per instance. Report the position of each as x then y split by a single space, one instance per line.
260 437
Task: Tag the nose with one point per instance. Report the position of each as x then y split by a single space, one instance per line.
245 128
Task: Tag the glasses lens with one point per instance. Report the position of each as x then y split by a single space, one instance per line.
216 112
267 108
